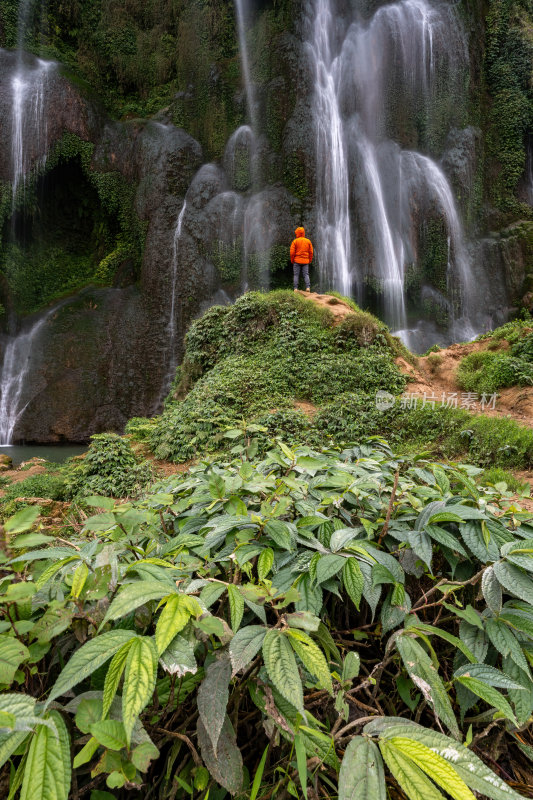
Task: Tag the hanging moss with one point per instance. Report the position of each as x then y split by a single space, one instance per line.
434 252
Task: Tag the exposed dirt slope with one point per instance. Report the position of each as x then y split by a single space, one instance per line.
338 307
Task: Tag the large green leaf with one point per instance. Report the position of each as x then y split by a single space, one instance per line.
281 666
236 606
492 591
47 772
87 659
514 580
213 697
12 654
245 645
353 580
361 775
172 620
435 767
328 566
178 658
9 742
113 676
224 763
312 657
408 775
426 678
133 595
468 766
487 674
490 695
139 680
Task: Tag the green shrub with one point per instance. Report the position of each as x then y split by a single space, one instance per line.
108 468
497 477
140 428
486 372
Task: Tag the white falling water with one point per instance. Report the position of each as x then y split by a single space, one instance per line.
242 22
29 137
370 193
15 395
174 267
333 217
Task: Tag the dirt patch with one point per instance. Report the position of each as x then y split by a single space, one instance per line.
37 466
339 308
308 408
435 378
165 468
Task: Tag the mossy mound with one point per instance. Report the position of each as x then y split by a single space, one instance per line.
261 356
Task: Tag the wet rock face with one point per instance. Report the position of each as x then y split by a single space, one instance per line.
55 107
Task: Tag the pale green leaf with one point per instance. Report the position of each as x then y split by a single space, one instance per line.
311 657
139 680
245 645
78 579
172 620
133 595
178 658
89 658
490 695
12 654
47 772
236 606
426 678
353 580
281 667
361 775
109 733
410 778
212 699
264 563
113 676
436 767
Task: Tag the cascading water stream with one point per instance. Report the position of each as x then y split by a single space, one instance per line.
174 268
368 189
15 369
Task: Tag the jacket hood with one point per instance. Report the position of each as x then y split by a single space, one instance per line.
299 232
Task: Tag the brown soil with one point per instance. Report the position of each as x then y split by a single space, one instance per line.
436 379
23 471
338 308
308 408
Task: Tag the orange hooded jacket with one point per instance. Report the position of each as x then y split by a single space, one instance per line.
301 248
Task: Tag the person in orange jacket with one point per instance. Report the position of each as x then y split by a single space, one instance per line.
301 257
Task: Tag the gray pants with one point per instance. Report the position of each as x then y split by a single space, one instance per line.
296 274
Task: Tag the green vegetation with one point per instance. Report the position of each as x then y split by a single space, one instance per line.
262 354
503 481
215 636
486 371
509 114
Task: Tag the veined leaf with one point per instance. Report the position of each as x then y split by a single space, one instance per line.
86 753
12 654
468 766
442 634
487 674
172 620
281 667
139 680
492 591
133 595
178 658
408 775
301 762
113 676
47 772
78 579
427 680
327 566
52 569
110 733
89 658
236 607
514 580
245 645
213 697
22 520
361 775
224 764
264 563
522 699
490 695
353 580
312 657
436 767
10 743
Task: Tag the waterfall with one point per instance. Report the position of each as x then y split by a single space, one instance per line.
174 265
333 218
15 369
29 128
242 22
372 194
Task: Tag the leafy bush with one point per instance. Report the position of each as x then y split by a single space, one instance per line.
315 620
486 372
109 467
499 478
262 354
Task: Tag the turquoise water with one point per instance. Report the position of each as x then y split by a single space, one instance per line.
55 453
